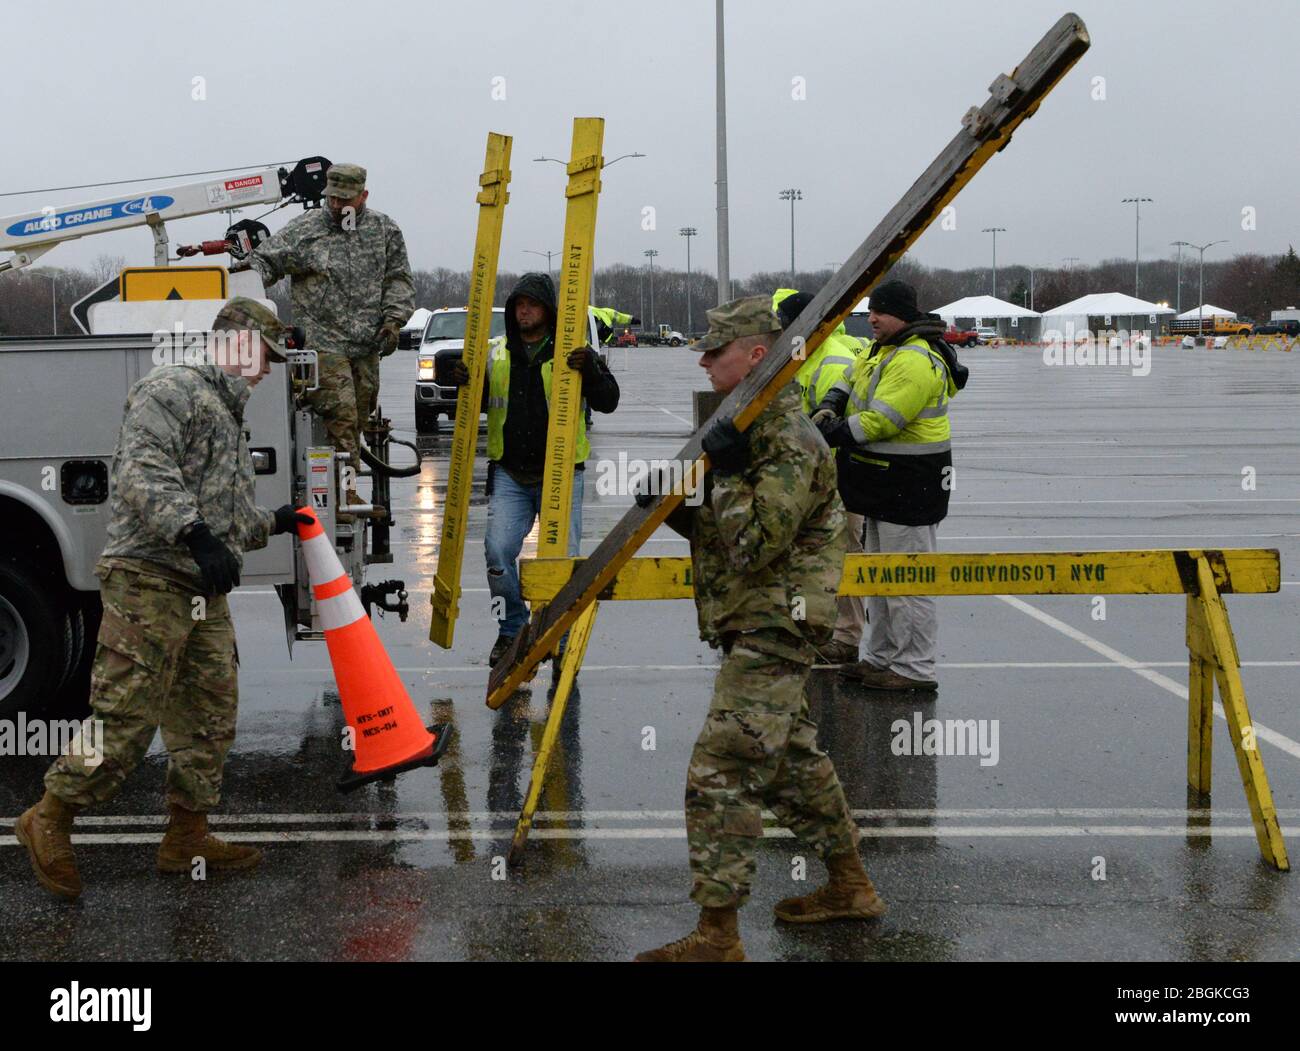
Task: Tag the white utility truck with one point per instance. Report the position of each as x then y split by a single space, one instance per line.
61 405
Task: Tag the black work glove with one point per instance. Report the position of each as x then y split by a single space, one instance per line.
728 448
642 494
836 432
457 373
288 518
583 360
635 321
217 564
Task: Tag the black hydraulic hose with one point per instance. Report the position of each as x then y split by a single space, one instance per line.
376 464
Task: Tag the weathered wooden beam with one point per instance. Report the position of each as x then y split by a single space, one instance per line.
985 131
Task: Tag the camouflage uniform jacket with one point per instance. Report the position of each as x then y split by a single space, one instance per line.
346 283
768 544
182 456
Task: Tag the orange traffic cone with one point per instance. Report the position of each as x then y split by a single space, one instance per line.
388 734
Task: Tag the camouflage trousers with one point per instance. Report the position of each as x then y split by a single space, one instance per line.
758 748
156 667
348 394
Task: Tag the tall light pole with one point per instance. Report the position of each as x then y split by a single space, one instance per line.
688 232
995 230
724 237
1200 305
650 254
1137 235
1178 292
791 195
548 255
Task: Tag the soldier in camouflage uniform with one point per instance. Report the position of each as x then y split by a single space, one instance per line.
182 514
767 551
352 292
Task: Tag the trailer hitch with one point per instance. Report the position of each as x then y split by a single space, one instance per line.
377 595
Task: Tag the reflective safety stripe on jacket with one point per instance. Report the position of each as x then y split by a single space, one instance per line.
898 400
498 384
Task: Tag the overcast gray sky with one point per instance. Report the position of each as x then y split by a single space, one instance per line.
1199 114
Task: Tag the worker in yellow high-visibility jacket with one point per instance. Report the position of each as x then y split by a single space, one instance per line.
824 366
888 419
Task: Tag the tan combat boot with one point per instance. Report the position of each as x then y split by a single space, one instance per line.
46 831
848 896
187 838
715 940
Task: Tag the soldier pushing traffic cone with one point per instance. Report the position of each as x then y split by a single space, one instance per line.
182 516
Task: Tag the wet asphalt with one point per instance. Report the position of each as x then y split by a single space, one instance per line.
977 861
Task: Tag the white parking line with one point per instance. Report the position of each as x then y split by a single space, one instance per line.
462 817
1274 738
500 834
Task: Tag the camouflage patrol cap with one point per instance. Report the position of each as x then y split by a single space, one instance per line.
345 180
242 312
748 316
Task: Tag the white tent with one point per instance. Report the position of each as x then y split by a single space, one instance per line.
1205 311
1104 310
980 307
1011 320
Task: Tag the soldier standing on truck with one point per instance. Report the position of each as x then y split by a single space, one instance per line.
352 292
182 514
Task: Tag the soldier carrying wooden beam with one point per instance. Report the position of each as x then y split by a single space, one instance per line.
767 549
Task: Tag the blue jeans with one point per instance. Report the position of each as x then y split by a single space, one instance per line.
512 510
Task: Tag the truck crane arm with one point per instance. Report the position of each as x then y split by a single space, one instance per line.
29 235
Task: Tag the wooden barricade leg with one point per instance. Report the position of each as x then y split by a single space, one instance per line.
491 198
569 665
1200 700
1227 670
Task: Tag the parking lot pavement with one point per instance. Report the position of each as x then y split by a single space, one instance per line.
1068 837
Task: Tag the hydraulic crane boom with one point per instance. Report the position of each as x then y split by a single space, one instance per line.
29 235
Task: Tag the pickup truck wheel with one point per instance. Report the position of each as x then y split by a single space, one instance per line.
36 640
426 419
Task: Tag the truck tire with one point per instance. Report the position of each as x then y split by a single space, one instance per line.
36 639
74 698
426 419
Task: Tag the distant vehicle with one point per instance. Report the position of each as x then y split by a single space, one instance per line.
409 337
443 344
626 338
673 338
1210 325
960 337
1282 327
986 333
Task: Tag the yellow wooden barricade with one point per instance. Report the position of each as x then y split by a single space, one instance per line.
1204 576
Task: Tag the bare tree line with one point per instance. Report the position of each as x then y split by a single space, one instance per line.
1250 284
